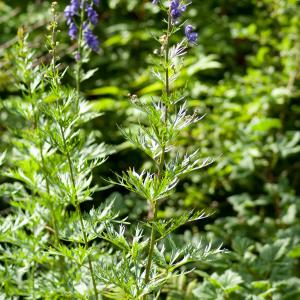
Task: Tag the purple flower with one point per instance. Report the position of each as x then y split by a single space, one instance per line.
75 5
90 39
190 34
69 14
73 31
92 15
71 10
177 9
154 1
77 56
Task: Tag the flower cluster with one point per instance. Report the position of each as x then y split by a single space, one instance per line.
176 10
77 9
190 34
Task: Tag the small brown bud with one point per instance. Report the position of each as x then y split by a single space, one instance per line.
163 39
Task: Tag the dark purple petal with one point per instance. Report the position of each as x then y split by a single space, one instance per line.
69 14
91 40
71 10
75 5
92 15
190 34
176 9
73 31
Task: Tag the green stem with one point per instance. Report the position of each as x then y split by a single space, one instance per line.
151 245
77 206
152 241
33 280
79 50
53 45
54 221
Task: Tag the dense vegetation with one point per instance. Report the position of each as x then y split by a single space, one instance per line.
77 219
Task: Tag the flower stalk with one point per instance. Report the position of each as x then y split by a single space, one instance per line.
78 209
79 50
162 156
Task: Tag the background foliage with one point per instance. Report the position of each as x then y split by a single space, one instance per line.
244 76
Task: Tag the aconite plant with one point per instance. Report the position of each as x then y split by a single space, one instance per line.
50 248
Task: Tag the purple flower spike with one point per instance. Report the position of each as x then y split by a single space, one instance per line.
177 9
69 14
92 15
71 10
75 5
73 31
91 40
190 34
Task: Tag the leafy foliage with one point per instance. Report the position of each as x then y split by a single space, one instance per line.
243 77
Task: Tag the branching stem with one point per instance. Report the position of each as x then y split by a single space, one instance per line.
152 241
79 50
77 206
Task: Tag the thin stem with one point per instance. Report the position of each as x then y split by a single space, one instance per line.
53 44
151 245
79 50
79 211
152 241
43 165
54 221
33 280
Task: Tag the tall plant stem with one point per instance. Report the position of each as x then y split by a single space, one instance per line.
162 156
33 269
77 206
53 44
52 210
79 50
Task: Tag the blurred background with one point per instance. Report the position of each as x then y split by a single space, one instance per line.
244 75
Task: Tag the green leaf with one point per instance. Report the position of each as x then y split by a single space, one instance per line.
230 281
266 124
2 157
203 63
106 90
88 74
151 89
295 252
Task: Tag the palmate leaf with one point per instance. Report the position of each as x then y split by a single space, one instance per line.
94 151
105 212
2 157
78 255
196 252
123 277
72 230
182 119
116 238
31 179
102 219
189 163
219 285
154 111
165 227
146 184
144 140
